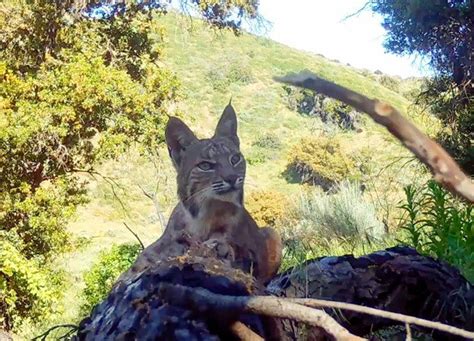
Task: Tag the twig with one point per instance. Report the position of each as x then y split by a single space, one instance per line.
136 235
43 336
202 299
317 303
156 204
444 169
408 330
356 13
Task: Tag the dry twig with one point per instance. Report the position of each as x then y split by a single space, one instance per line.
135 235
445 170
317 303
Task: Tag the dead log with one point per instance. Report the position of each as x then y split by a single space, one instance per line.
177 299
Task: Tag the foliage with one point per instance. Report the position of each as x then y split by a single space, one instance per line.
28 289
440 226
440 31
321 161
455 108
264 148
65 105
389 82
267 208
268 141
322 224
103 274
231 72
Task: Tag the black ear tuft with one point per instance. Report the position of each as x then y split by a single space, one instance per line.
178 138
227 126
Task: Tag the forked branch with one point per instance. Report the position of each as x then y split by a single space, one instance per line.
444 169
296 309
201 299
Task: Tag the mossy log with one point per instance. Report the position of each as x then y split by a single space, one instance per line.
396 279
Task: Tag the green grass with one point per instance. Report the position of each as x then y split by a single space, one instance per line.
213 67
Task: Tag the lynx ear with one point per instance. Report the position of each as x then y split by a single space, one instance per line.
178 138
227 126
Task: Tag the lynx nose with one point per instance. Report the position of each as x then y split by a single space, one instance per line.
233 180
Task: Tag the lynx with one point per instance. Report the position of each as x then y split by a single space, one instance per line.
210 177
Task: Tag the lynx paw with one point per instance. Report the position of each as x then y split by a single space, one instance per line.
222 248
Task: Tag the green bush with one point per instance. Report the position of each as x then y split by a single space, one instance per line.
103 274
321 161
438 225
330 224
220 76
267 208
389 82
268 141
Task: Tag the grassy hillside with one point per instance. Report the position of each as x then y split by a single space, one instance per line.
213 67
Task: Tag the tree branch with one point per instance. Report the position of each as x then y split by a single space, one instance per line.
135 235
317 303
200 299
444 169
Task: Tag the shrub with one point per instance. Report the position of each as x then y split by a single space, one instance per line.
321 161
263 149
268 208
103 274
230 72
389 82
330 111
321 224
268 141
438 225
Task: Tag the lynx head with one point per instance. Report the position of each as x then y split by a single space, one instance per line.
208 169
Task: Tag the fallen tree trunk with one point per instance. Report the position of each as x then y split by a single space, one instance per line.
397 280
199 298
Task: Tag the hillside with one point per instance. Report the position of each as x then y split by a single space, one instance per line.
213 67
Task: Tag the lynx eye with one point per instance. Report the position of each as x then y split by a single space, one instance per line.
235 159
205 166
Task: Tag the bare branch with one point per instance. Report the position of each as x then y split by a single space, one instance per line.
156 204
444 169
356 13
44 336
317 303
135 235
199 299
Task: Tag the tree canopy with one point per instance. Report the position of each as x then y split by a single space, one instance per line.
443 33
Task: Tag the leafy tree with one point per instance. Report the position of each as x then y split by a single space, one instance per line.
442 32
80 82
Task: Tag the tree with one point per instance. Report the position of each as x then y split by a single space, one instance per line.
442 32
79 83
